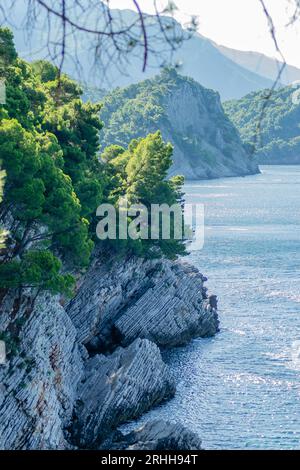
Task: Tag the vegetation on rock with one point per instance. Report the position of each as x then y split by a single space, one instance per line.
270 122
55 180
206 144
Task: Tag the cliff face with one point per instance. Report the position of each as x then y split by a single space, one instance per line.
119 387
76 373
191 117
162 301
39 381
206 144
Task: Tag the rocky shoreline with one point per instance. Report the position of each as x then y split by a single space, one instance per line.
82 369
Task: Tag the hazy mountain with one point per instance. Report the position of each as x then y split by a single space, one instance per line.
206 144
202 61
200 58
261 64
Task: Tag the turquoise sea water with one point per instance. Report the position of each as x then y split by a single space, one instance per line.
241 389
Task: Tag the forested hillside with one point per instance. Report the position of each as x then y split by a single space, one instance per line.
49 150
278 138
206 144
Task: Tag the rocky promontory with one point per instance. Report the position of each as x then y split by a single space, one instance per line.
190 116
155 435
119 387
163 301
76 372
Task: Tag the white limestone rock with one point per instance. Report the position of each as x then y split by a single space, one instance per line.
117 388
172 312
161 300
38 384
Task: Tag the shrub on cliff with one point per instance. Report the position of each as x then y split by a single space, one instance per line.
140 175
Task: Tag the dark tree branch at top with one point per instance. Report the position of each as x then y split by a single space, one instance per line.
71 26
63 42
144 34
74 28
296 13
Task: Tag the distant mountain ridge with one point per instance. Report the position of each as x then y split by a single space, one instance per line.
199 56
261 64
191 117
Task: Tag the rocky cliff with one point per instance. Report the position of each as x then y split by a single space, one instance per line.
163 301
191 117
39 381
75 373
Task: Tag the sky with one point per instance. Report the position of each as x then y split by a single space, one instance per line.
239 24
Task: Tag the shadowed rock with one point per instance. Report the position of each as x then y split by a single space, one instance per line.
155 435
119 387
39 381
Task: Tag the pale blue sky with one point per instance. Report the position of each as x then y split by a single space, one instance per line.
240 24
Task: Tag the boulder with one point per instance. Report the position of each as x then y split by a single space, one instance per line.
117 388
155 435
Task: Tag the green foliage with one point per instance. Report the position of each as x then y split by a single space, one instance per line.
141 174
146 171
277 118
37 269
7 49
76 125
55 180
137 110
112 152
2 231
45 71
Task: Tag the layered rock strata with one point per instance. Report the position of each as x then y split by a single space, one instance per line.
74 373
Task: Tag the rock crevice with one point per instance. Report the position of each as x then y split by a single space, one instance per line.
119 387
164 302
68 383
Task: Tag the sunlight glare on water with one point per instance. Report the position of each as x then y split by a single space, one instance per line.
241 389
